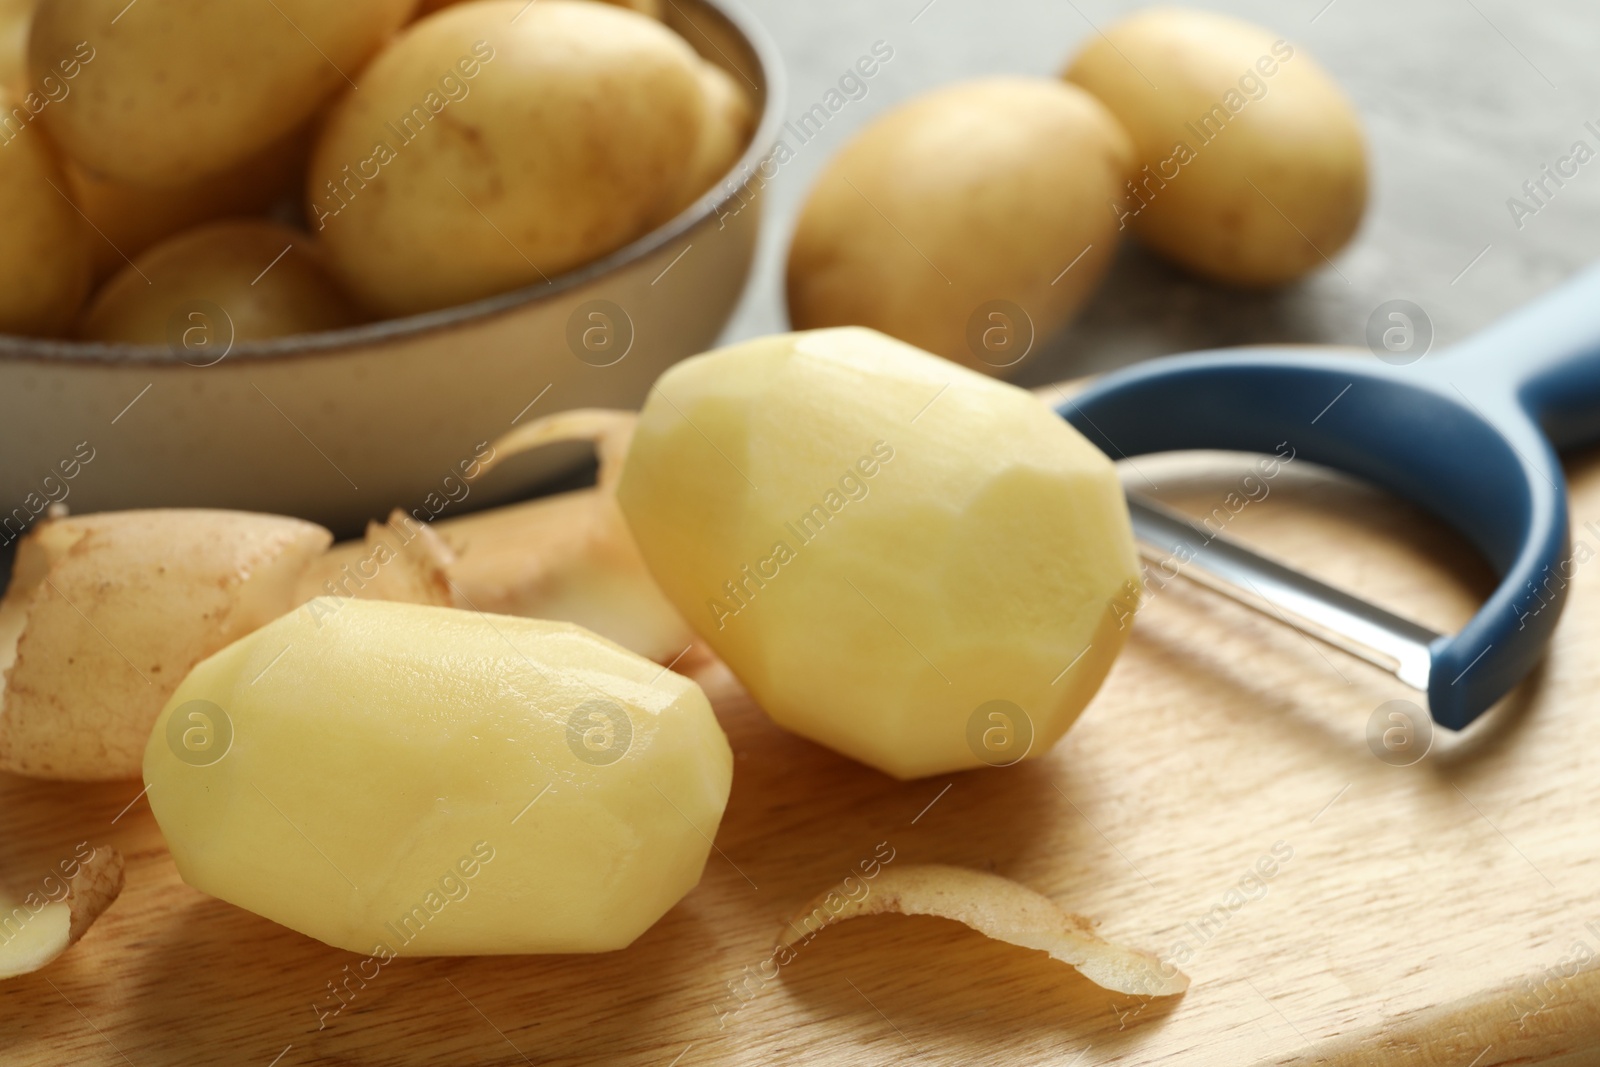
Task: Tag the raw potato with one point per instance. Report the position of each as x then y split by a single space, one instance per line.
943 217
643 7
913 564
44 245
995 907
552 140
128 219
1252 162
106 613
41 923
411 780
568 557
15 18
729 122
179 89
268 280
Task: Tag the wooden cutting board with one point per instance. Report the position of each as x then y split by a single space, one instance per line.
1408 903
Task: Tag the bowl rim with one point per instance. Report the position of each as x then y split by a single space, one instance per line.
730 186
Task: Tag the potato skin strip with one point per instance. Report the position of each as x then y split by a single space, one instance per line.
33 934
1001 909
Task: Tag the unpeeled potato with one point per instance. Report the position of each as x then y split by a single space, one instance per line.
127 219
15 18
643 7
181 89
730 117
224 283
44 244
105 614
493 146
967 222
1252 163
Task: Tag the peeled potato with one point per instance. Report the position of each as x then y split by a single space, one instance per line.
913 564
106 613
411 780
44 245
234 281
483 154
127 219
950 222
1252 164
179 89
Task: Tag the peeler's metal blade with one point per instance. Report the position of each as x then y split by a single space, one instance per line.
1174 546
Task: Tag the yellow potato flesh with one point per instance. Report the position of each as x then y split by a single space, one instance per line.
406 780
880 544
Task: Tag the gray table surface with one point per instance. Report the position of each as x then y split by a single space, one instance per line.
1463 101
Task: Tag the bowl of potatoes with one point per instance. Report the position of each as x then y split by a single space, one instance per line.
309 259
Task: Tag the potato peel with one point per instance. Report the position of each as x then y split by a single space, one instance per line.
34 930
568 557
401 560
106 613
1001 909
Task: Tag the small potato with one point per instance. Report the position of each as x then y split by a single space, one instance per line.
643 7
15 18
730 119
967 222
483 154
400 780
174 90
105 614
44 245
1252 165
128 219
266 280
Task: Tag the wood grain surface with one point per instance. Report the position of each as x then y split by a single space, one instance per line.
1436 914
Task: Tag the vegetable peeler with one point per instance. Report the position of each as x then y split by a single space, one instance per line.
1469 434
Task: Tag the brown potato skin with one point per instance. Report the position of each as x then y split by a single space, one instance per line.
221 263
651 8
730 119
1272 196
44 244
179 89
128 219
981 191
571 137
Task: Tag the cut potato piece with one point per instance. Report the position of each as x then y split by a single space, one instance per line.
41 923
108 612
912 563
397 779
999 908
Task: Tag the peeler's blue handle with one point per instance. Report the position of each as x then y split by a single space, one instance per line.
1459 434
